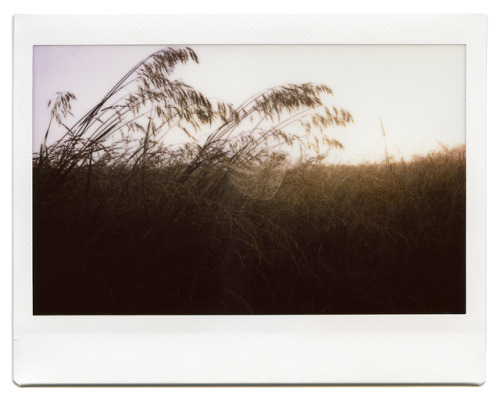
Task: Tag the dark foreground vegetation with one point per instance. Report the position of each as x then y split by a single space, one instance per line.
366 239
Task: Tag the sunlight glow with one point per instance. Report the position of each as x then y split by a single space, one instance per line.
418 91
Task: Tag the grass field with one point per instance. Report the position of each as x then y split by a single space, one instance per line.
334 239
229 220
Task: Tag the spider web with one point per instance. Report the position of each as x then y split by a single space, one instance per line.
259 179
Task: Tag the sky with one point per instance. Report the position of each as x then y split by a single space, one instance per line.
417 91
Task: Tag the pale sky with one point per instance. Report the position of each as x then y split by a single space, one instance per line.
417 90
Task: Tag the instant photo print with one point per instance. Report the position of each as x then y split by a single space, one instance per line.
249 199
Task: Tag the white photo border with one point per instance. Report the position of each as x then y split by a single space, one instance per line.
312 349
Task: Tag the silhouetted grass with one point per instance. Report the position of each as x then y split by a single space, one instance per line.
334 239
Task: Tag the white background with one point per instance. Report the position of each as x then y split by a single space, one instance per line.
492 386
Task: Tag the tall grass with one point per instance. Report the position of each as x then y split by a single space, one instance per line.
334 239
126 224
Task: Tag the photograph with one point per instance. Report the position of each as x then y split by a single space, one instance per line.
255 200
249 179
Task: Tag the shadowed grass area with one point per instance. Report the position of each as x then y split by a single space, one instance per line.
372 238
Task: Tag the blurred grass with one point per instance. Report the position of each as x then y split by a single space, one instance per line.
335 239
